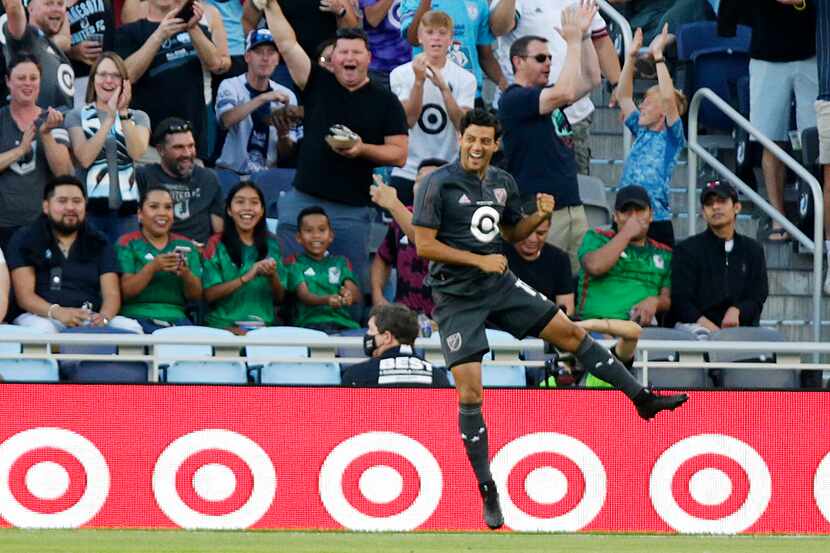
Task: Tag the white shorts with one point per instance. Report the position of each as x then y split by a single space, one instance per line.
823 124
772 86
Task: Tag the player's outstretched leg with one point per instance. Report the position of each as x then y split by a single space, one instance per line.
567 336
474 435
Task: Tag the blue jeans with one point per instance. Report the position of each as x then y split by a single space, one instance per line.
351 225
114 225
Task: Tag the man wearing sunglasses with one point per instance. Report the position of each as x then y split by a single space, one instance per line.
538 141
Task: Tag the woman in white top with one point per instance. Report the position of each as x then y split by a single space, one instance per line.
107 138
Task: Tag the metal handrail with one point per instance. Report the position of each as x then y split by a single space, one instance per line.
696 150
628 36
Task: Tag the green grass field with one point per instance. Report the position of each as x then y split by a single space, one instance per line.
177 541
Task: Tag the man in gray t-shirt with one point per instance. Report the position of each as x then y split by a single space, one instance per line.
197 197
39 37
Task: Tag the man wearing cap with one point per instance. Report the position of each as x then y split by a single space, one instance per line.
624 274
243 107
720 276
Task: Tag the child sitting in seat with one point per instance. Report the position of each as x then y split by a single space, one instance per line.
323 283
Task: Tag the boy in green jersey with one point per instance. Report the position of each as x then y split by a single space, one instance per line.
324 284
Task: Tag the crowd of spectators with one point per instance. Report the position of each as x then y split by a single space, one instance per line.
111 212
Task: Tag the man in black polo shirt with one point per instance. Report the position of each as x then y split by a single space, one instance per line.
463 213
65 273
40 37
337 178
538 141
392 332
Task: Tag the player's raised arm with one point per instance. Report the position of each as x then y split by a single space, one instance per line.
299 65
521 230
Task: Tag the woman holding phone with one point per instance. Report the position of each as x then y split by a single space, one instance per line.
244 274
107 138
161 271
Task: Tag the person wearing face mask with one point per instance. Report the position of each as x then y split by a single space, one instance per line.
625 274
392 361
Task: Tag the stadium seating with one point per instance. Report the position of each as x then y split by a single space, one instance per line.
174 370
594 200
672 377
100 371
265 370
748 378
25 370
502 375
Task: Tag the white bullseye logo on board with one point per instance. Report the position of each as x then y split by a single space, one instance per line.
557 477
214 479
821 487
710 484
380 481
51 478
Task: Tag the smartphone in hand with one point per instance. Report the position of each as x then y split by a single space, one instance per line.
186 11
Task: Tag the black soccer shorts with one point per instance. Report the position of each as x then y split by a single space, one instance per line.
511 303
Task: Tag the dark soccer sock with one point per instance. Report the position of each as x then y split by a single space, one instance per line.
601 363
474 435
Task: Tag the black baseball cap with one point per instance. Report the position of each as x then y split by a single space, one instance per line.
632 195
721 188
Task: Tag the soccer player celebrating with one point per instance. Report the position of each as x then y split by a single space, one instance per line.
463 211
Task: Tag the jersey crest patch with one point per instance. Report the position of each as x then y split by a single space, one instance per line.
454 341
501 195
334 275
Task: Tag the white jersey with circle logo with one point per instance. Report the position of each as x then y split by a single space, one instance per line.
433 135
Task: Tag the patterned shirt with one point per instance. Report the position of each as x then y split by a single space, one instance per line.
651 162
397 251
323 277
389 48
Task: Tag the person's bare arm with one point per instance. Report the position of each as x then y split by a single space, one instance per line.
664 80
23 281
589 67
63 39
414 103
503 18
429 247
387 197
24 147
376 13
412 30
378 275
625 86
564 92
627 332
299 65
139 61
233 116
490 65
309 298
217 224
110 295
219 36
351 16
57 155
87 150
566 301
522 229
251 17
391 153
599 262
15 18
609 62
132 284
5 288
206 49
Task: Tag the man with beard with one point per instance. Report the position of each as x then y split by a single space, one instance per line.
41 37
463 214
197 197
65 274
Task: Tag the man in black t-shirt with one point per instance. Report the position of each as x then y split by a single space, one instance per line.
198 205
545 268
538 140
164 57
40 37
388 343
464 212
336 176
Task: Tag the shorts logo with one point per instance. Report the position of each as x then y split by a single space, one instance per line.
454 341
485 224
334 275
501 195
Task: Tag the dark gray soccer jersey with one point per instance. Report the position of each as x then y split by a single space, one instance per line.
57 79
466 212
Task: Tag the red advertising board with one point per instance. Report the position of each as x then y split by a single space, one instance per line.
392 459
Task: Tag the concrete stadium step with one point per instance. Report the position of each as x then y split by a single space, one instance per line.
783 256
606 120
611 171
790 282
801 331
793 308
606 146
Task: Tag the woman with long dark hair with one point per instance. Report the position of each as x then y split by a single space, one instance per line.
243 271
